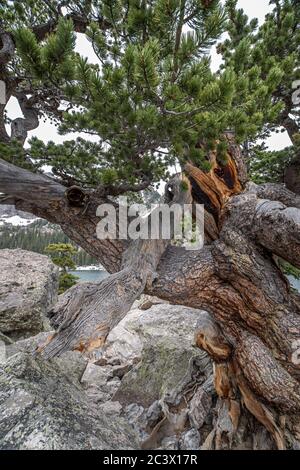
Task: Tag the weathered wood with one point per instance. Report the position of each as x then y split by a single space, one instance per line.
44 197
213 189
87 313
277 228
23 184
276 192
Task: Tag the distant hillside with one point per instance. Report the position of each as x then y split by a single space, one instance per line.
8 211
20 230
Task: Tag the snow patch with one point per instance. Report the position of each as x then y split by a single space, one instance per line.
16 220
90 268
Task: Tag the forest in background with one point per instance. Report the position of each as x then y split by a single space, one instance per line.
36 237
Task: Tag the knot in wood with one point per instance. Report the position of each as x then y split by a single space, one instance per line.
76 196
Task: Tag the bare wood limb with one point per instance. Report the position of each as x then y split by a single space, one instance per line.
276 192
87 313
277 228
44 197
23 184
21 126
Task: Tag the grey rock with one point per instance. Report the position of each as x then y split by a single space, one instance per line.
71 363
169 443
110 408
165 366
28 345
121 370
113 385
190 440
136 415
154 413
123 344
163 338
97 396
28 289
134 411
147 301
5 339
99 382
144 420
40 408
96 376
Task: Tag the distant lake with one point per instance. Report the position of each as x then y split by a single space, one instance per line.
90 275
294 282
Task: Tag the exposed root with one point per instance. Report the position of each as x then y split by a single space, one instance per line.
261 412
233 389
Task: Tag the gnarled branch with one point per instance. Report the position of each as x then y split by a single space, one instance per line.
87 313
276 192
277 228
23 184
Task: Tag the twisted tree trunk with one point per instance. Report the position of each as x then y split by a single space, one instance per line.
253 325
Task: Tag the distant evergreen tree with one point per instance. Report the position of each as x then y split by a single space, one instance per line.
62 255
267 55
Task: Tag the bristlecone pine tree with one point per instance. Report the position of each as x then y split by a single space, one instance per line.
150 102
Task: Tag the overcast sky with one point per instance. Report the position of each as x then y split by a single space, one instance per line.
46 131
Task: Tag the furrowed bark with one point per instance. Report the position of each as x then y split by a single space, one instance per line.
255 317
232 389
246 375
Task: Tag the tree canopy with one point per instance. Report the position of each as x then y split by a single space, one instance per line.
273 51
152 99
